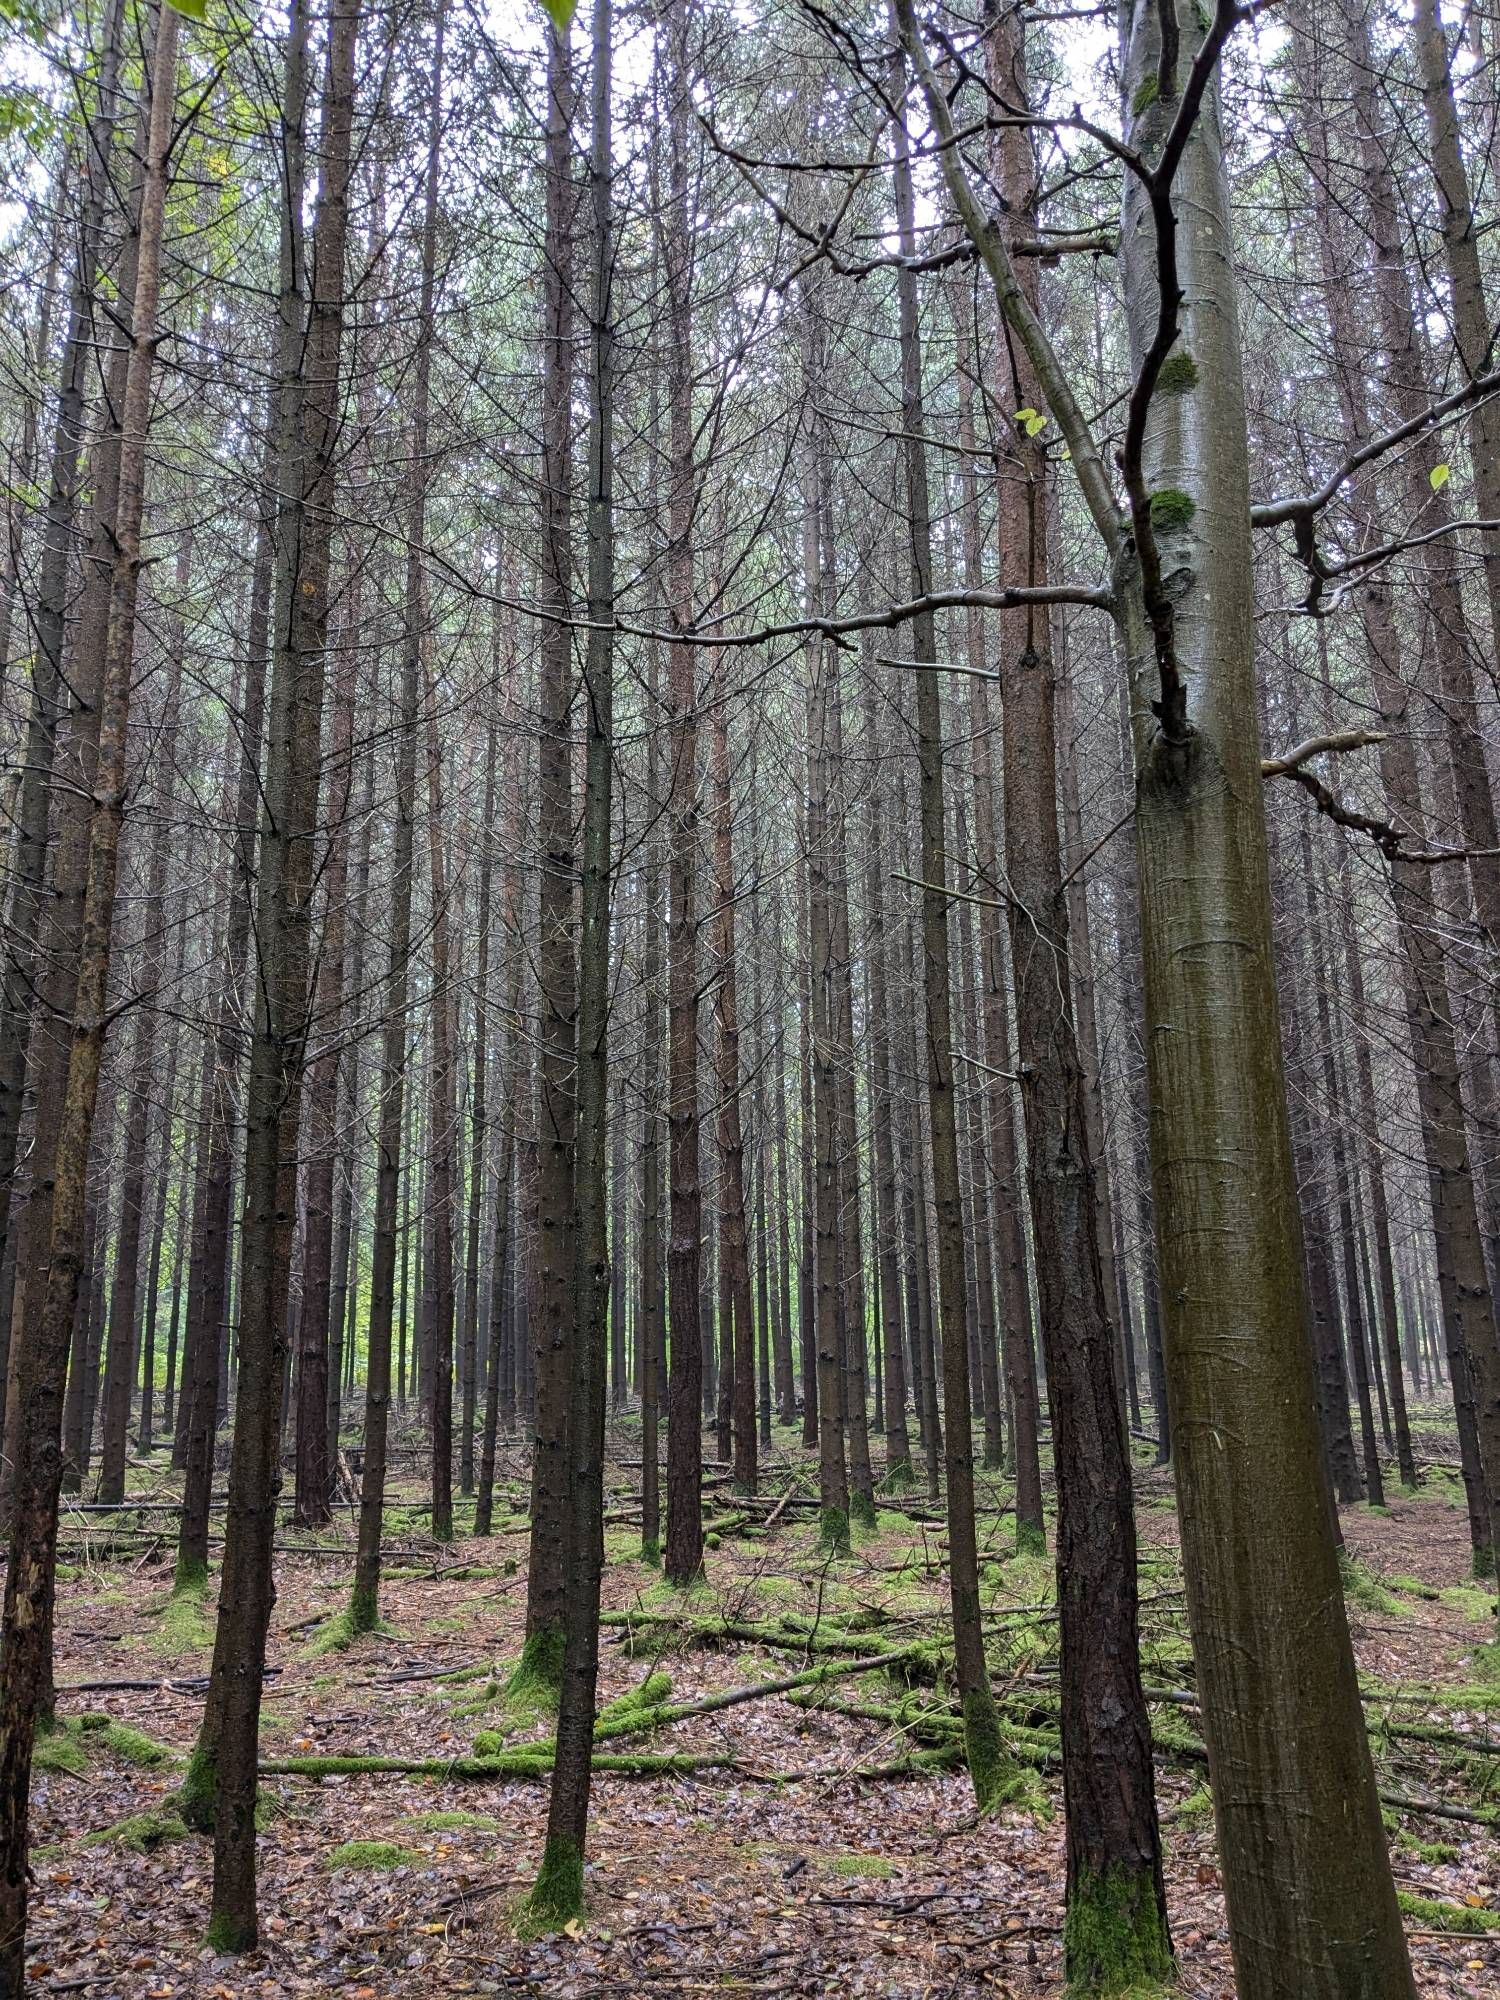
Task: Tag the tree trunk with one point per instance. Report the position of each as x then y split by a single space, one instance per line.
684 1552
558 1895
41 1344
1307 1875
554 1333
987 1762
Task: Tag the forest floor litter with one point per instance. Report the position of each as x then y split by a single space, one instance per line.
777 1865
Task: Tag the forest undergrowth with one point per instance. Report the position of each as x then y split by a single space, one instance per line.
780 1803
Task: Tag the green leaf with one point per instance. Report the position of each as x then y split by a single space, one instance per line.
1439 476
1035 424
560 13
191 10
1025 416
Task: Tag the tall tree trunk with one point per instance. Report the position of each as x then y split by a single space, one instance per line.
42 1339
26 917
651 1309
479 1111
224 1765
898 1471
997 1094
735 1248
124 1298
988 1765
391 1119
443 1100
684 1551
1116 1923
1307 1875
558 1894
554 1333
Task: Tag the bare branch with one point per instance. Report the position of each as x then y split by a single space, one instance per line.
1340 741
1304 506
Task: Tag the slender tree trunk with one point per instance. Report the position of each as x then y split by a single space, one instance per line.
225 1761
650 1311
479 1113
735 1248
25 1663
30 854
555 1330
987 1762
443 1100
898 1472
558 1894
684 1551
125 1292
391 1120
1114 1844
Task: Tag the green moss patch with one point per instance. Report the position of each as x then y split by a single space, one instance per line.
1435 1853
59 1750
341 1631
182 1624
1177 376
1114 1940
1447 1916
142 1833
373 1854
856 1866
648 1694
1171 510
452 1822
1366 1590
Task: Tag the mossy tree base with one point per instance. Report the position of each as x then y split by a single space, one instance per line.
997 1779
535 1682
196 1793
191 1579
226 1934
1031 1538
833 1530
557 1898
1115 1941
862 1513
363 1614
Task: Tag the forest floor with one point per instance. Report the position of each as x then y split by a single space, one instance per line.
780 1865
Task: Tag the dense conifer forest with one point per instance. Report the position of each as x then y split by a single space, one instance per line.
750 998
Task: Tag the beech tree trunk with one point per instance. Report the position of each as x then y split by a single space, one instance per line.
1306 1872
